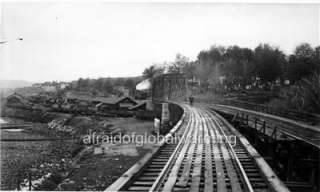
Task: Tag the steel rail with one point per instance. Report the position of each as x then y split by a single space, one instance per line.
242 172
157 184
209 124
127 177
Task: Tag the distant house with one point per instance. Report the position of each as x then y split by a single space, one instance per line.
49 88
102 103
126 102
145 105
36 85
63 85
139 106
115 103
17 100
125 91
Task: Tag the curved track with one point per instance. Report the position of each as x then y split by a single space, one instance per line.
202 153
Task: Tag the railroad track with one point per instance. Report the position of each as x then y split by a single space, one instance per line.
198 157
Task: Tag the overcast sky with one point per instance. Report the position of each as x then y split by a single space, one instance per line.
66 41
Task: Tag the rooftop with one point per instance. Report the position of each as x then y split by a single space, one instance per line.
108 100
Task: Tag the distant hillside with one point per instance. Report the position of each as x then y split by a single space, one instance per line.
8 87
12 84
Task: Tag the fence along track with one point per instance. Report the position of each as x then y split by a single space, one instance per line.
199 163
295 130
257 170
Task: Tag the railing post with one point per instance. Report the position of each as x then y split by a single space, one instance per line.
30 181
263 128
255 123
274 133
18 181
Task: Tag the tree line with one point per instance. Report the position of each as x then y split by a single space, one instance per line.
293 79
237 67
104 86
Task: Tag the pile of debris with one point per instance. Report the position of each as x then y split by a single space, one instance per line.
59 125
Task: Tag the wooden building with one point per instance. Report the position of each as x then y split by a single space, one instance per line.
17 100
115 103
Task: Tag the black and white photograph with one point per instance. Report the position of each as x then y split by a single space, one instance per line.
201 96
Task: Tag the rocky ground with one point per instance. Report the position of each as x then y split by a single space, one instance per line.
99 169
97 172
38 158
92 171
